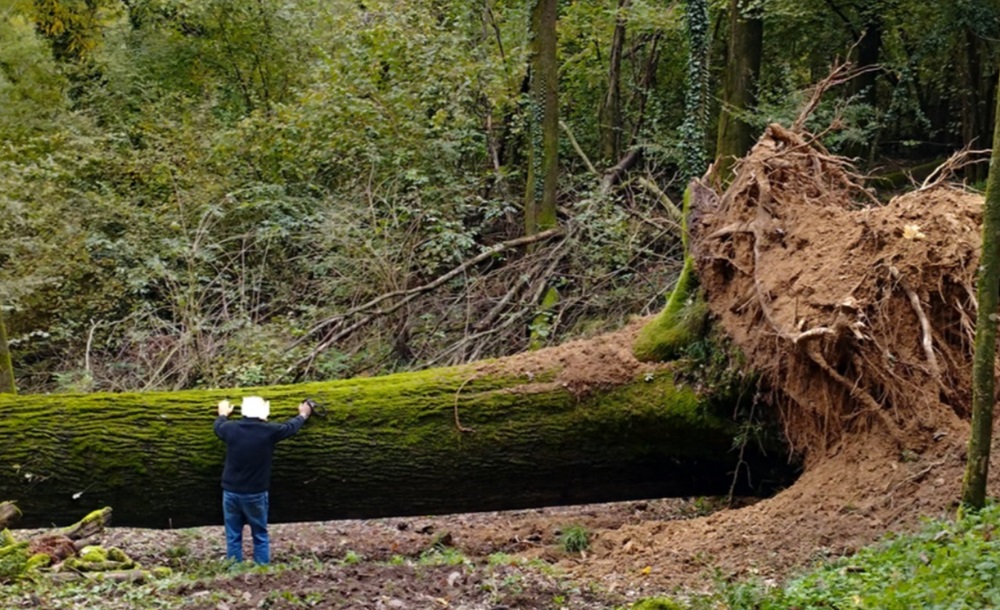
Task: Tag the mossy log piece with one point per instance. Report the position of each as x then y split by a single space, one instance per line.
389 446
18 559
682 321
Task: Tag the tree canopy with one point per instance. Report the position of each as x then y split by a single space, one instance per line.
203 194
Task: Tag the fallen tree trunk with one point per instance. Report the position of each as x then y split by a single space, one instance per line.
471 438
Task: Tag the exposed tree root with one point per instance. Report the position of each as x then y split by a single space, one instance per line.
789 258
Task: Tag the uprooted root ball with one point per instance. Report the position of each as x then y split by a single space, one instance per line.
857 313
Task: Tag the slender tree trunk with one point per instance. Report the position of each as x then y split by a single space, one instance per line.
648 85
869 51
611 114
543 147
983 363
743 57
7 384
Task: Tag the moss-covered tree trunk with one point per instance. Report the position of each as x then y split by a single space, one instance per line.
439 441
983 363
7 385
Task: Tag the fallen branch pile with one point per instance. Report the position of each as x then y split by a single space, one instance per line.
65 554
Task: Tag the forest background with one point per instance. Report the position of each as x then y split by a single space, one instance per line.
248 192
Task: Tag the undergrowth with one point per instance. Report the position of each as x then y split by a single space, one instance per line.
948 564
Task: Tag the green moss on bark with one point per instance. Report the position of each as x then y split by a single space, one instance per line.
389 446
7 384
683 319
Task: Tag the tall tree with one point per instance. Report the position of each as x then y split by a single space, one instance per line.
983 363
743 56
869 48
611 112
543 119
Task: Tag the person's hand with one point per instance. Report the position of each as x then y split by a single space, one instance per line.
225 408
305 410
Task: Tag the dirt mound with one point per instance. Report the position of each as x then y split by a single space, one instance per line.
583 365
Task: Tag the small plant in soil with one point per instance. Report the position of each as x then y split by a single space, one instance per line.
574 539
442 556
351 558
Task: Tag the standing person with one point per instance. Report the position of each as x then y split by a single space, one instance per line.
246 476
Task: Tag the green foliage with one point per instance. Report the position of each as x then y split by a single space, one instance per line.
13 562
441 554
948 564
196 193
574 539
352 557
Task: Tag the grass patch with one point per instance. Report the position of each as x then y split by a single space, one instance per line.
947 564
574 539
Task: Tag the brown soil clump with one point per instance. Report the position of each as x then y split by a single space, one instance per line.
584 365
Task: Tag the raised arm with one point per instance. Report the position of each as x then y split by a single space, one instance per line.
225 410
293 425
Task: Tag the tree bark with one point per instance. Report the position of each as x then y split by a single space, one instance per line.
438 441
983 362
743 57
543 118
7 384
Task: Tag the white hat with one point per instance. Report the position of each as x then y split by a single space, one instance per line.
256 407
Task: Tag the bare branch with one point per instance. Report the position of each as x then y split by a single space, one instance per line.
404 296
840 73
950 167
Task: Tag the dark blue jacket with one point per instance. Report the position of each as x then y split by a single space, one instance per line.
250 446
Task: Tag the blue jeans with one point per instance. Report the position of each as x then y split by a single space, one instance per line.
246 509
